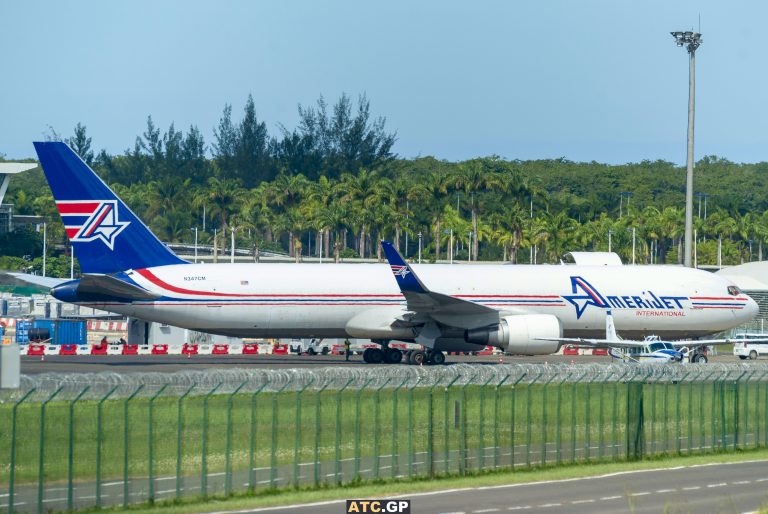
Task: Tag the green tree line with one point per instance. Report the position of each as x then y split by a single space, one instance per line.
334 183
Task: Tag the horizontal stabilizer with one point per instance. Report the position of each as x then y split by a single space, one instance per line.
108 285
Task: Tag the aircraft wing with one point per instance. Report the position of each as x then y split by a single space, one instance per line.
38 280
107 285
421 300
596 343
714 342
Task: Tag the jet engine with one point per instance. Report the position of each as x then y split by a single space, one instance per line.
518 334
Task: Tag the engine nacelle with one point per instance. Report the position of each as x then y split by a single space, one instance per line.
518 334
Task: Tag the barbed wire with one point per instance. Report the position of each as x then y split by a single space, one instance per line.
226 381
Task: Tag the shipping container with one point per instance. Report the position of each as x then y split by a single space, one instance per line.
22 330
57 331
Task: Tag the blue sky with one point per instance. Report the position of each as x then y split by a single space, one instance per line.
588 80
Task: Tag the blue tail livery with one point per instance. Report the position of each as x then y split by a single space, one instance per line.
106 235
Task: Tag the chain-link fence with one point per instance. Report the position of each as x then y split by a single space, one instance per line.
77 441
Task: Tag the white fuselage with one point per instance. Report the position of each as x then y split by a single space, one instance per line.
317 300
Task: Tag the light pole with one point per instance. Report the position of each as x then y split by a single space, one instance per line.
610 233
469 258
692 41
195 231
45 239
232 248
420 236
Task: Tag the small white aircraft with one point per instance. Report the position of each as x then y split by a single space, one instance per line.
651 349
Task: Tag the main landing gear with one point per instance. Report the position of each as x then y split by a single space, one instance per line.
387 355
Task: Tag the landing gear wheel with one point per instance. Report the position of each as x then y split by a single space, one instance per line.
375 356
393 356
437 358
418 358
700 358
367 355
753 355
407 356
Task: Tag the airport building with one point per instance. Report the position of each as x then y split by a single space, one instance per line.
752 278
8 220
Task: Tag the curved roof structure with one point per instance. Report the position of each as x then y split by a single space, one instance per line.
751 276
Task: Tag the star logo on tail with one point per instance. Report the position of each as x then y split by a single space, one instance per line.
92 220
400 271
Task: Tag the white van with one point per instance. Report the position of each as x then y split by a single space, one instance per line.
745 348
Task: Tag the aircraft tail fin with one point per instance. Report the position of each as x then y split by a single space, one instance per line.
610 328
106 235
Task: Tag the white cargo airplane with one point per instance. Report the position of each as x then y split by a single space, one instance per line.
651 349
127 270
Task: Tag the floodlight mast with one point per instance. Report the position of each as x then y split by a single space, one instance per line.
693 40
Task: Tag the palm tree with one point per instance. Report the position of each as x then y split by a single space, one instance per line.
472 177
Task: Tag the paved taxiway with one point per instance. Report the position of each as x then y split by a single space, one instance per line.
172 363
734 487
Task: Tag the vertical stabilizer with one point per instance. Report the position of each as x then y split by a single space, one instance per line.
106 236
610 328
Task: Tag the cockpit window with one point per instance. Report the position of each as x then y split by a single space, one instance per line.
734 291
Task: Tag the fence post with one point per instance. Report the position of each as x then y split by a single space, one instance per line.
71 452
98 444
636 418
614 428
496 421
573 416
411 427
150 443
358 395
376 409
430 430
446 425
529 426
678 429
765 408
273 455
512 421
558 421
204 446
588 419
690 408
125 443
736 410
252 438
463 433
395 457
180 438
13 448
481 427
544 388
601 418
297 433
746 404
41 468
317 433
228 454
337 473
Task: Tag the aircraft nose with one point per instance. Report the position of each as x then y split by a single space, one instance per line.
751 309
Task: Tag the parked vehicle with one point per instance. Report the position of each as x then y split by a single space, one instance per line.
750 345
